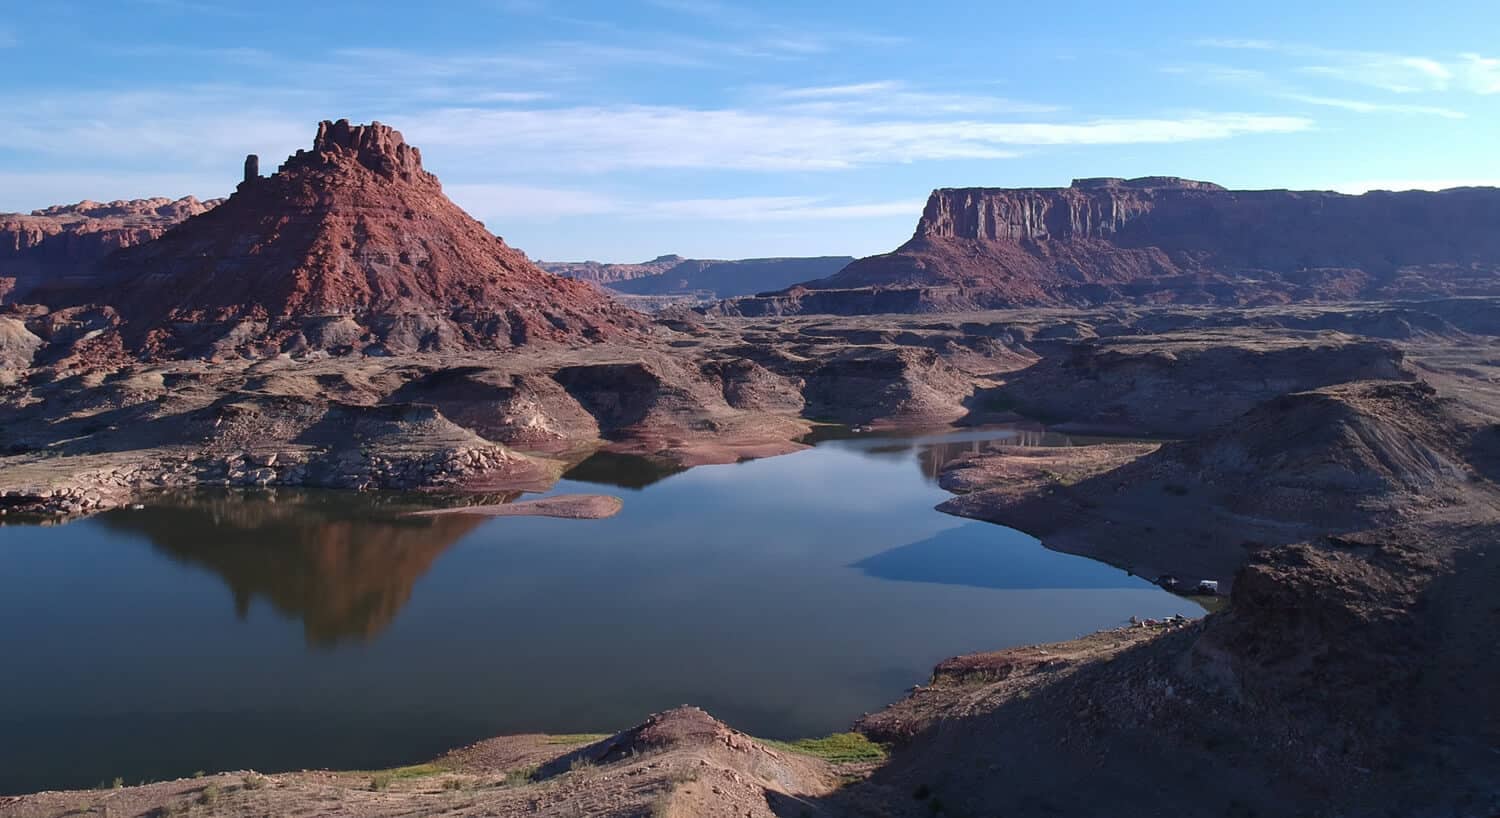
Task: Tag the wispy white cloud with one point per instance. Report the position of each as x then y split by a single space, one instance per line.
1364 107
594 139
1261 82
208 126
1481 74
779 208
1387 71
836 91
200 127
763 36
886 97
505 203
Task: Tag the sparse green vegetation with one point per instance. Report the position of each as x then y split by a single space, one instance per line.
380 782
119 782
683 775
209 796
519 777
577 738
403 773
838 748
254 782
580 764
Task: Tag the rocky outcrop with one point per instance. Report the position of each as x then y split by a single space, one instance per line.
55 244
352 236
1167 240
1185 382
1331 460
533 411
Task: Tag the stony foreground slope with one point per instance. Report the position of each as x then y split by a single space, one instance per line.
1167 240
677 764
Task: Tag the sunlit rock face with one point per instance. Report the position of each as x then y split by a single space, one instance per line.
353 231
1163 240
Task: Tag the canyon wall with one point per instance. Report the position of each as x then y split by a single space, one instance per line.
59 242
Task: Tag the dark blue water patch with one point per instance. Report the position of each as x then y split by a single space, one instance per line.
983 556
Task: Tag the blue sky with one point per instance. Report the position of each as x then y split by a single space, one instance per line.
722 128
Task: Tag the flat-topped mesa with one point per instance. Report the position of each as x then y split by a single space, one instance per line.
157 210
1163 239
1144 183
1091 208
377 146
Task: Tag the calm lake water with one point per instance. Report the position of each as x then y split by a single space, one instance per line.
291 629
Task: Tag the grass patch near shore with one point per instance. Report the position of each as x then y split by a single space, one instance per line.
839 748
577 738
380 779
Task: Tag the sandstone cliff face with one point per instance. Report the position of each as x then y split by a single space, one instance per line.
65 240
349 245
1167 240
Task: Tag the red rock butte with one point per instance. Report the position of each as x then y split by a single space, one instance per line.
354 232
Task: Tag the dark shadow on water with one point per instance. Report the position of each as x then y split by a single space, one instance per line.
980 555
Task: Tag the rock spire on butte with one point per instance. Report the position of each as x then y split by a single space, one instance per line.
349 242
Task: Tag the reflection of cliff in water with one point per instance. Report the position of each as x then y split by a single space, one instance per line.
343 563
936 456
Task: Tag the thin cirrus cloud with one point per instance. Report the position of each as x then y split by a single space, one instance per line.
210 125
1364 107
1260 82
502 203
1386 71
891 96
597 139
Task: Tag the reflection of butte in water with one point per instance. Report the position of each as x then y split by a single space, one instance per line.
344 566
934 457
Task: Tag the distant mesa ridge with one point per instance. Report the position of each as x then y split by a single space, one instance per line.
673 274
67 240
1165 239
